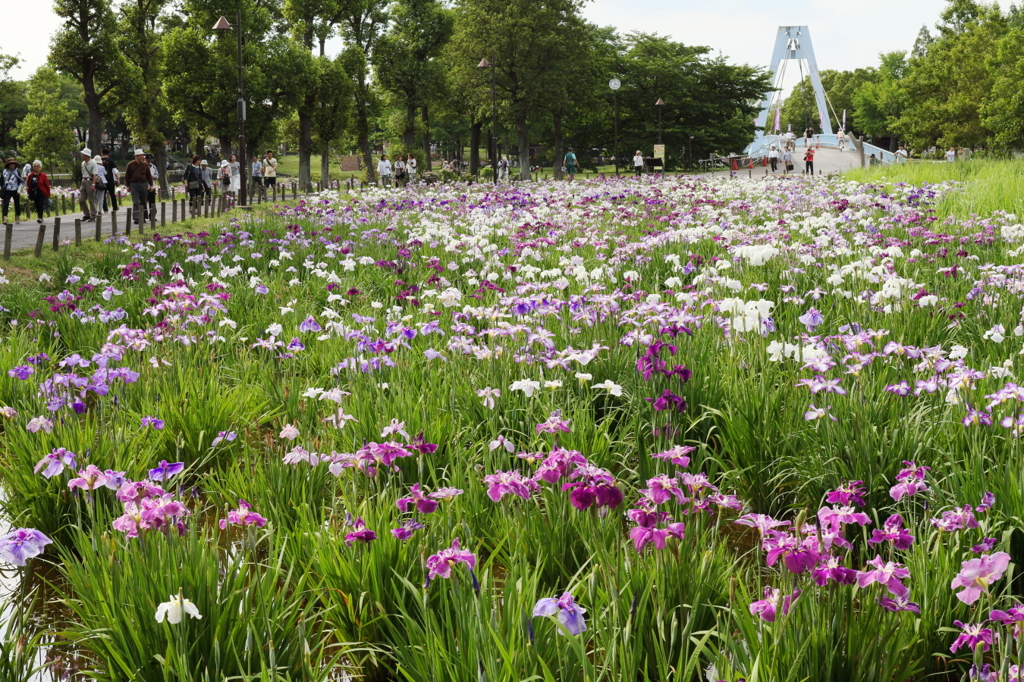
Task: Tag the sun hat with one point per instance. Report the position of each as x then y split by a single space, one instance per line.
139 152
8 162
86 152
203 163
98 158
223 162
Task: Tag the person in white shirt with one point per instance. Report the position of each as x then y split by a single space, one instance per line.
503 169
384 170
773 158
951 155
410 167
400 169
638 163
842 140
901 154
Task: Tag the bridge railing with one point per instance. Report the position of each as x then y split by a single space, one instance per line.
763 144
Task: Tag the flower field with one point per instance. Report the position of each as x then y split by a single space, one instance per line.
689 429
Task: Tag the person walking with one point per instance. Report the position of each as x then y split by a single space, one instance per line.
87 190
269 170
787 160
638 163
773 158
224 176
10 187
809 161
111 169
204 170
256 168
384 170
399 170
410 167
951 155
901 154
235 170
138 177
808 134
194 185
503 169
155 172
569 161
102 183
38 189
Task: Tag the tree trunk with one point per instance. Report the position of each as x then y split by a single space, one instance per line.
364 147
409 136
325 166
363 130
92 104
556 169
426 139
225 146
474 147
160 158
305 145
524 149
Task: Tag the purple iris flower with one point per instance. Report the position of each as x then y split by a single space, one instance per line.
53 464
22 372
766 608
89 478
310 325
811 319
243 516
502 483
887 574
424 505
440 565
155 422
851 493
360 533
223 436
909 481
986 545
165 471
22 544
972 636
565 608
667 401
899 604
405 531
893 531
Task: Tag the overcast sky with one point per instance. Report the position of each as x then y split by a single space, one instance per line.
845 35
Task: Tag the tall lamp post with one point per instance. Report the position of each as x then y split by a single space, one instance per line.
660 103
615 84
222 26
690 155
484 64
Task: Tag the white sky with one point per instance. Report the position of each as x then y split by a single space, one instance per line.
845 35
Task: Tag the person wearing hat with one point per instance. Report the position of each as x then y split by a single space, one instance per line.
224 175
638 163
9 187
111 172
87 190
38 189
155 172
140 181
235 174
204 169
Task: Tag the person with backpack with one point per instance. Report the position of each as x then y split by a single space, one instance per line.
38 189
570 164
111 169
194 184
152 190
10 187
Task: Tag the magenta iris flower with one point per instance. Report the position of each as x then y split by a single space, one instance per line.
647 531
986 545
565 609
424 504
766 608
23 372
559 464
554 424
762 522
661 489
243 516
310 325
849 494
502 483
977 574
668 401
155 422
360 533
89 478
957 519
165 471
440 565
21 544
53 464
831 569
972 636
797 556
909 481
405 531
223 436
899 604
887 574
593 486
677 455
893 531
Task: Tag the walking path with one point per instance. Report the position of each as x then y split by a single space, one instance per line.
825 161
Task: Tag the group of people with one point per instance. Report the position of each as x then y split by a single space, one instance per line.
263 173
403 171
100 177
35 180
786 157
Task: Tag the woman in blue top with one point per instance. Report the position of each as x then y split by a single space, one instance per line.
9 187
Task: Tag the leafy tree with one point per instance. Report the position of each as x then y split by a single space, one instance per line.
13 104
800 108
362 24
46 130
85 48
406 60
878 104
332 111
1003 111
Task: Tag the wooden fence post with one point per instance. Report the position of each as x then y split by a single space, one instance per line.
39 240
99 228
128 223
163 214
174 211
78 231
56 233
113 221
8 237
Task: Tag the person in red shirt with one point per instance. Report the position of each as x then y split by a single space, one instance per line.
38 189
809 161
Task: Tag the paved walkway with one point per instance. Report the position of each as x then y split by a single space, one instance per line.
825 161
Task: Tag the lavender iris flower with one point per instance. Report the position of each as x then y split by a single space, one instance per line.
566 610
55 462
310 325
165 471
22 544
155 422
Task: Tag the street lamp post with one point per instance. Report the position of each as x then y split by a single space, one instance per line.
660 103
222 26
484 64
690 155
615 84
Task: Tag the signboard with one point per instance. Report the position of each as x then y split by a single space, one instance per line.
659 152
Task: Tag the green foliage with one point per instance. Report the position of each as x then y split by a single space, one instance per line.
13 104
46 130
800 109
